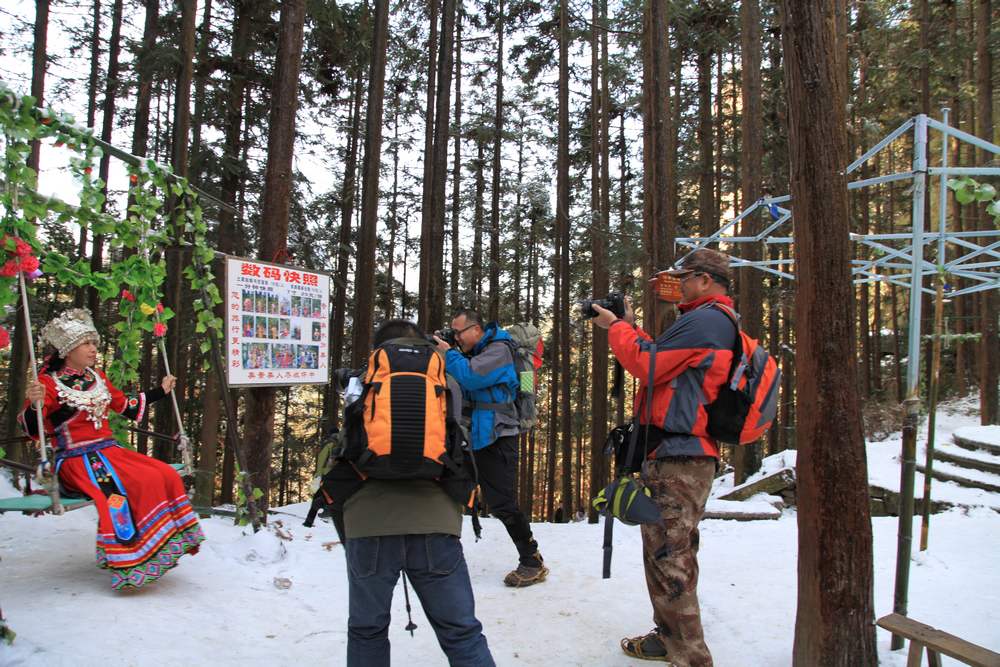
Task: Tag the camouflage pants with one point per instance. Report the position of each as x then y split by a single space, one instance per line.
680 487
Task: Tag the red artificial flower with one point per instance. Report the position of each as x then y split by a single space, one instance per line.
133 179
159 307
19 264
159 329
4 339
59 144
128 296
88 170
21 248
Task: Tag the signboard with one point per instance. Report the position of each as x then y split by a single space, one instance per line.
667 288
277 325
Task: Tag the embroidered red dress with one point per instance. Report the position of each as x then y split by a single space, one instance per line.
145 521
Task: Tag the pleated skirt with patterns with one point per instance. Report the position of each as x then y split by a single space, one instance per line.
163 526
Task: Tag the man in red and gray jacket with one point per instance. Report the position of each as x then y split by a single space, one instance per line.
692 362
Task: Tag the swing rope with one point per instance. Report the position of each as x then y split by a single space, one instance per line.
183 442
45 471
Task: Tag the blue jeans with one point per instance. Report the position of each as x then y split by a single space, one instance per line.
436 567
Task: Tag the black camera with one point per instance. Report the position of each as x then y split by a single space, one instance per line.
447 334
342 376
615 302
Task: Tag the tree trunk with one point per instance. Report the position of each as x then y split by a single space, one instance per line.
203 72
989 345
955 210
494 309
426 206
746 460
174 289
390 265
435 293
707 222
144 67
673 138
104 168
80 294
562 223
273 240
456 177
476 275
228 240
599 241
518 219
365 276
20 336
834 620
338 314
657 221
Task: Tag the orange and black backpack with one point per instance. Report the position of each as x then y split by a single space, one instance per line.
402 427
747 404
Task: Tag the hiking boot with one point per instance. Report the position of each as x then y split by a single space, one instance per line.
529 571
646 647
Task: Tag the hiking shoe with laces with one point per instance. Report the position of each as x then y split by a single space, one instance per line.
528 573
646 647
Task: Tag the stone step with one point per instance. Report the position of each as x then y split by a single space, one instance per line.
981 463
968 438
951 476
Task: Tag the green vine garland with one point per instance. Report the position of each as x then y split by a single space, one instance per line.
136 279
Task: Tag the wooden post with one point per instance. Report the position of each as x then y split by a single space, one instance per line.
932 418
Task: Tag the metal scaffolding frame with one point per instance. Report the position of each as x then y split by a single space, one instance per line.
897 259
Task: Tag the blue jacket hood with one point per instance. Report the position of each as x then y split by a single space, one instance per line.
492 332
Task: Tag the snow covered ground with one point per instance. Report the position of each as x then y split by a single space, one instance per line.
232 603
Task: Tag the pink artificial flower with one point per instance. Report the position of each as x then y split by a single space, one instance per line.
4 339
159 307
128 296
159 329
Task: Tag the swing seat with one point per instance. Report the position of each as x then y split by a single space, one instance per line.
36 503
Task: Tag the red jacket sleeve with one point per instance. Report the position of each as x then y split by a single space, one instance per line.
632 347
50 404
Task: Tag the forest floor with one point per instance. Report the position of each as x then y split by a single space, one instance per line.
279 597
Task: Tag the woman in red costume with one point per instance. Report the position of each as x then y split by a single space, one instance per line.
145 522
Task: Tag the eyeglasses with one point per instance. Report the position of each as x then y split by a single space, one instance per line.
459 332
717 278
692 275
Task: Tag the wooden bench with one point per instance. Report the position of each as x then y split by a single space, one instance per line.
936 642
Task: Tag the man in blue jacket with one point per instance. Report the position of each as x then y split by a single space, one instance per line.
485 370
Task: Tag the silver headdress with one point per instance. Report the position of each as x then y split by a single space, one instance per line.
70 329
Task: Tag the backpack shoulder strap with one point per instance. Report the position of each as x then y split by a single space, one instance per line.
738 344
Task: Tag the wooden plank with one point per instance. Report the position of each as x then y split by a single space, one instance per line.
776 482
741 516
939 641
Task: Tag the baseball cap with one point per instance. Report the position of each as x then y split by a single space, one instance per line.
712 262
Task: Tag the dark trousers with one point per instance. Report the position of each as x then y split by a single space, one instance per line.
435 565
497 466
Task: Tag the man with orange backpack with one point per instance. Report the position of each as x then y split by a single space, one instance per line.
686 367
404 516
